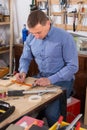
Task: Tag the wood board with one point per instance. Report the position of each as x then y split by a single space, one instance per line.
6 82
16 86
9 85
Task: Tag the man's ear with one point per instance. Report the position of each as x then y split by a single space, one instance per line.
48 22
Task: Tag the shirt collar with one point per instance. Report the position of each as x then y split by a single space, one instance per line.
50 31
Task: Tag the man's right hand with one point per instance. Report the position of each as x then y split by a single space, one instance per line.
20 77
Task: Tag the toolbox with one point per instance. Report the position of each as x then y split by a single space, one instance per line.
62 124
74 125
73 109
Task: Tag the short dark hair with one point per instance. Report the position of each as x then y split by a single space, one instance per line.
36 17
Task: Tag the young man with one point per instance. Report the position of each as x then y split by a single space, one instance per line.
55 53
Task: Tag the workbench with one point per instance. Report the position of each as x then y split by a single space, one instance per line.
80 76
23 106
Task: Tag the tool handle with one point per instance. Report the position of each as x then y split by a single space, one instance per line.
74 27
15 93
59 122
60 119
78 126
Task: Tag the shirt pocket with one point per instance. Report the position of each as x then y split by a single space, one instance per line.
53 51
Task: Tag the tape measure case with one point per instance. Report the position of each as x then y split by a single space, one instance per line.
5 110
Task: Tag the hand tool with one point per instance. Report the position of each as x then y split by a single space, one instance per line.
78 126
24 92
59 122
74 20
72 124
26 84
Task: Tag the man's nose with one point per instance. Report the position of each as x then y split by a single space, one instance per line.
37 36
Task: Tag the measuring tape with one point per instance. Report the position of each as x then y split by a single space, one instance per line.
2 111
35 98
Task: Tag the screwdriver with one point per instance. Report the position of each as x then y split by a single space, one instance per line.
59 122
78 126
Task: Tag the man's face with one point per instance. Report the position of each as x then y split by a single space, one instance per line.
40 31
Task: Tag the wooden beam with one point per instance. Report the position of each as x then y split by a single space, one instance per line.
11 36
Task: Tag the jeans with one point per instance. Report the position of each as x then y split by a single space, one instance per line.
53 110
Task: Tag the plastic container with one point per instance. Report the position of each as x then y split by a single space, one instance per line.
1 13
24 33
1 9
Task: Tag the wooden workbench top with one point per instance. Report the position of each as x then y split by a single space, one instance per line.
23 105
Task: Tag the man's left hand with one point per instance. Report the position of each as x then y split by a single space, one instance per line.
42 82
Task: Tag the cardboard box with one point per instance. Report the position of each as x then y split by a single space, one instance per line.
73 109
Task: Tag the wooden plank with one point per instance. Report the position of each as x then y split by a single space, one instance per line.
41 0
9 83
81 28
72 2
76 1
4 23
72 14
4 51
57 13
70 27
11 36
54 2
63 26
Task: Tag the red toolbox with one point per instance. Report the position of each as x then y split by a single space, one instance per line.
73 109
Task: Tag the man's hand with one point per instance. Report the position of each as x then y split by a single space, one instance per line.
20 77
42 82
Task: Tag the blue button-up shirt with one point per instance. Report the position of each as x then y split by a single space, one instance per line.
56 55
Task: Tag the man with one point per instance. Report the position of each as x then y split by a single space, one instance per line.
55 53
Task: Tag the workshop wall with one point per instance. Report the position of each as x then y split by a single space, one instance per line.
21 11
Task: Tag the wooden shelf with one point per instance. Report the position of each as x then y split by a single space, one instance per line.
4 50
76 1
10 24
61 26
41 0
4 23
65 15
54 1
72 14
57 13
70 27
71 1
